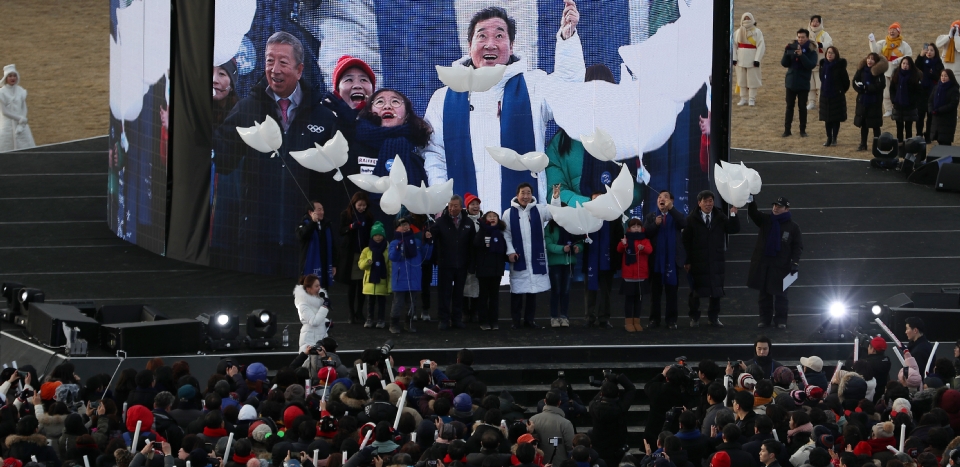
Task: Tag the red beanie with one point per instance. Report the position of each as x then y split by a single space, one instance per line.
290 415
468 198
347 62
863 449
720 459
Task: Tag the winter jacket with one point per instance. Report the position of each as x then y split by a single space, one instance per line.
305 233
705 250
525 281
869 113
406 272
767 273
485 120
313 317
22 447
464 375
914 93
14 129
921 349
487 264
746 56
616 233
451 243
914 378
552 423
799 67
354 236
930 69
696 445
834 108
652 230
942 41
639 270
383 288
816 378
142 396
567 169
609 419
51 426
903 51
944 125
555 254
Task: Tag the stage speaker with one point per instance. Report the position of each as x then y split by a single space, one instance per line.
946 301
939 151
46 319
153 338
948 178
89 309
926 173
114 314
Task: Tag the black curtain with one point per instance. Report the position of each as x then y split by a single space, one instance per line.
191 130
721 83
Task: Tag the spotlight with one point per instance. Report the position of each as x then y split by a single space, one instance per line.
28 296
222 330
885 151
261 327
876 310
837 310
11 291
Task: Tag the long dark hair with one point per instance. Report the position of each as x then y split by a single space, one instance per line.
914 72
949 72
351 212
420 130
593 73
876 59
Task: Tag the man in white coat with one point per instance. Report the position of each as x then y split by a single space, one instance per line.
512 114
824 42
949 45
893 48
527 252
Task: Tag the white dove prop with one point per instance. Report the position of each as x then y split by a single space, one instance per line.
392 199
600 145
575 220
370 183
468 79
264 137
611 205
331 156
736 182
428 200
226 40
533 161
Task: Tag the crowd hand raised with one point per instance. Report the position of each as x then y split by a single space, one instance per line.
872 38
165 446
569 19
147 447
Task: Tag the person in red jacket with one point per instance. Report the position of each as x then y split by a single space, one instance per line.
635 249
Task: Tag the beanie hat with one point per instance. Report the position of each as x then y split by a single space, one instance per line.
139 413
782 376
883 430
469 198
720 459
878 343
901 404
463 404
12 462
395 392
294 392
814 363
746 381
324 373
187 392
260 433
377 229
290 415
933 382
257 372
49 390
814 392
799 397
863 449
895 26
823 437
855 389
327 427
347 62
247 412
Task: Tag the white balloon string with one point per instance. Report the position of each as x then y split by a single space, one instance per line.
307 198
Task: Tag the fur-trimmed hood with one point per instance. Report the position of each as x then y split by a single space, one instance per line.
355 404
878 68
35 438
301 296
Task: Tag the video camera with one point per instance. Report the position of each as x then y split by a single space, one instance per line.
607 374
386 348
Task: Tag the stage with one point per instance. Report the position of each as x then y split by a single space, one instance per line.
867 234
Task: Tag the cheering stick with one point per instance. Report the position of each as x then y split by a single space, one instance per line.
896 351
889 332
136 435
933 354
366 439
326 384
86 461
856 349
316 453
390 370
361 374
835 370
403 397
726 385
903 435
226 452
802 376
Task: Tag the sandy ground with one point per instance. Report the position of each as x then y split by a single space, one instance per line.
62 51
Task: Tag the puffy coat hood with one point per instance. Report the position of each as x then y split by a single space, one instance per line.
35 438
878 68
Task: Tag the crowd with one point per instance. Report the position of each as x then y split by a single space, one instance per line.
888 81
322 412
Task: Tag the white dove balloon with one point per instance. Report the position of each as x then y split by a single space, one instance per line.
611 205
732 183
370 183
753 177
575 220
331 156
533 161
466 79
428 200
392 199
600 145
264 137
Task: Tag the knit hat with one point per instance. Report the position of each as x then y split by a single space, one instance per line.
11 68
395 392
883 430
377 229
823 437
878 343
901 404
247 412
469 198
12 462
897 27
49 390
463 404
187 392
123 456
746 381
326 372
863 449
720 459
257 372
347 62
66 393
290 415
525 438
855 389
260 433
782 376
814 392
933 382
327 427
139 413
799 397
814 363
294 392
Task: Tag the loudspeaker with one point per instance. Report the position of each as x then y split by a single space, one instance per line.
948 179
946 301
939 151
114 314
89 309
46 319
926 173
164 337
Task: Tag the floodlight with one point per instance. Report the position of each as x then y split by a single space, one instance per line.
837 309
261 328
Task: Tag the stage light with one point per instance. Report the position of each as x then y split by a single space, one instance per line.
9 288
837 309
223 320
885 151
222 330
28 296
876 310
11 292
261 328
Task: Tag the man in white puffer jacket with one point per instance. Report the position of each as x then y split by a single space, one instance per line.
490 38
528 264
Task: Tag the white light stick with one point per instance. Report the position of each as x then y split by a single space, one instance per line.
366 439
86 461
361 374
892 449
34 458
365 374
383 383
188 463
896 351
726 386
342 456
903 435
124 412
226 452
136 435
856 349
316 454
775 435
326 384
306 385
802 376
403 397
390 370
413 436
835 370
889 332
933 354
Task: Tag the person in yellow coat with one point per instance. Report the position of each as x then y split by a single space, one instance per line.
376 267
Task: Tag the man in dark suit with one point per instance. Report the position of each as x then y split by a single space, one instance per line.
453 239
704 240
777 254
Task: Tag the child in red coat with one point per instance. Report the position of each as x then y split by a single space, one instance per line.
635 249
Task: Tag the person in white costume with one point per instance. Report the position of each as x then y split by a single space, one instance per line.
748 50
824 41
14 131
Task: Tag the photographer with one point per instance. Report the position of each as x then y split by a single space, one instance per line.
552 425
666 391
325 349
570 402
608 412
462 372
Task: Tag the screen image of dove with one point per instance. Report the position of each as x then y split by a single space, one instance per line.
315 101
139 121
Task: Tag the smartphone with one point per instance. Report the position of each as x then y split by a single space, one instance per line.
432 463
158 446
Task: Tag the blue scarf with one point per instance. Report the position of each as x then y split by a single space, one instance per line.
940 98
903 88
867 78
596 175
389 142
536 241
379 269
931 68
516 132
772 247
406 243
315 261
497 243
827 87
631 253
665 255
598 256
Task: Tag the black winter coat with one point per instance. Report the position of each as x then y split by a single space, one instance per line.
766 273
353 239
305 235
609 418
452 245
930 69
869 112
705 250
141 396
880 364
799 67
944 124
833 108
663 396
487 264
652 230
22 447
908 112
464 375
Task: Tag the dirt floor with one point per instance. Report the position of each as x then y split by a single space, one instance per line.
62 51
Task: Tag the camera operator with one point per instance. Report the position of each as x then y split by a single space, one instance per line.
462 372
570 403
666 391
608 412
552 425
325 349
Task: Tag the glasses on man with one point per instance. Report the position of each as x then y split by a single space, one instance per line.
393 103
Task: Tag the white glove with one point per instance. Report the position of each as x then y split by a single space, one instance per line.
23 120
872 37
19 129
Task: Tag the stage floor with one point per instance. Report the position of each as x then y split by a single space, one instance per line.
868 235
